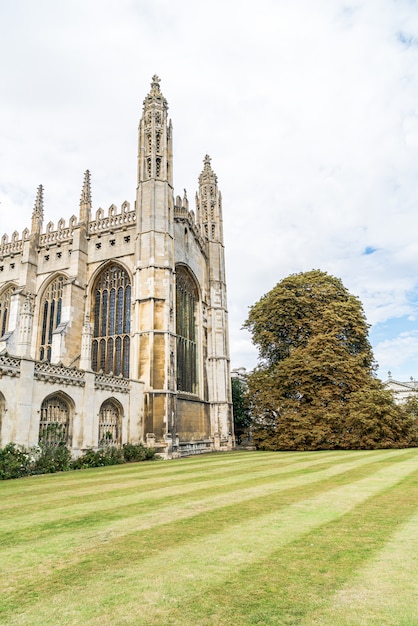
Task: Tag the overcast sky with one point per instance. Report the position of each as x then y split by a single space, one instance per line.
309 110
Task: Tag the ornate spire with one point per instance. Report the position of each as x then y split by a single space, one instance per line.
85 200
38 211
155 148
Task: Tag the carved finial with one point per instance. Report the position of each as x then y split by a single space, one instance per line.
185 200
155 93
156 81
208 175
38 211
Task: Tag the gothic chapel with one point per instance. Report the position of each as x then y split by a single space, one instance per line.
114 326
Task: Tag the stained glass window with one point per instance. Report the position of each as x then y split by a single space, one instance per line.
51 306
111 312
186 304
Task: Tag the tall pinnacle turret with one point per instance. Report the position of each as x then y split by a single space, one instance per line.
209 204
38 211
155 138
85 200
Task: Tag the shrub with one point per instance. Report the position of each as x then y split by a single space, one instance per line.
51 458
134 452
108 455
15 462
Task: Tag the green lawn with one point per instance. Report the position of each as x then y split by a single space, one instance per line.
306 538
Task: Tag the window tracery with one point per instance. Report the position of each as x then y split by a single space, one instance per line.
50 316
111 312
109 424
186 305
54 424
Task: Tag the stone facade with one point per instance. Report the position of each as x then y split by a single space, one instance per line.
401 391
114 325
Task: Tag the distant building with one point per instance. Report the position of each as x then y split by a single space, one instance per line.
114 326
401 390
240 373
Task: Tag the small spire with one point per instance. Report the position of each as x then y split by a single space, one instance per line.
38 211
85 200
86 191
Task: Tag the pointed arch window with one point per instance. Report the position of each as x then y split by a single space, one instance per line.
50 315
5 309
109 424
54 425
111 312
186 310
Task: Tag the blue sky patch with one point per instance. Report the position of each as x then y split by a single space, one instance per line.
369 250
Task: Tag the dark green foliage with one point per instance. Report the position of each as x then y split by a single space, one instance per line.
137 452
51 459
108 455
315 386
242 418
16 461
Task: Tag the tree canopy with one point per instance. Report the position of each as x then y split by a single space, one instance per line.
242 418
315 385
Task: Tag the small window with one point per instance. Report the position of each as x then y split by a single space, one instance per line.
5 309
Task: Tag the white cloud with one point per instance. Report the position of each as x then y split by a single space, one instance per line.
309 110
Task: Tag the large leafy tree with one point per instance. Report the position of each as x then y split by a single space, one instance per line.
315 382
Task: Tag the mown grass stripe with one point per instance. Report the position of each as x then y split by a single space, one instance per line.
146 476
291 586
86 481
119 495
384 592
132 518
148 583
80 545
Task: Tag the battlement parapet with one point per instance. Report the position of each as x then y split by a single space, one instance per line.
113 220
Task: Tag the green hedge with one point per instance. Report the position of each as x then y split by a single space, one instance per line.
17 461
